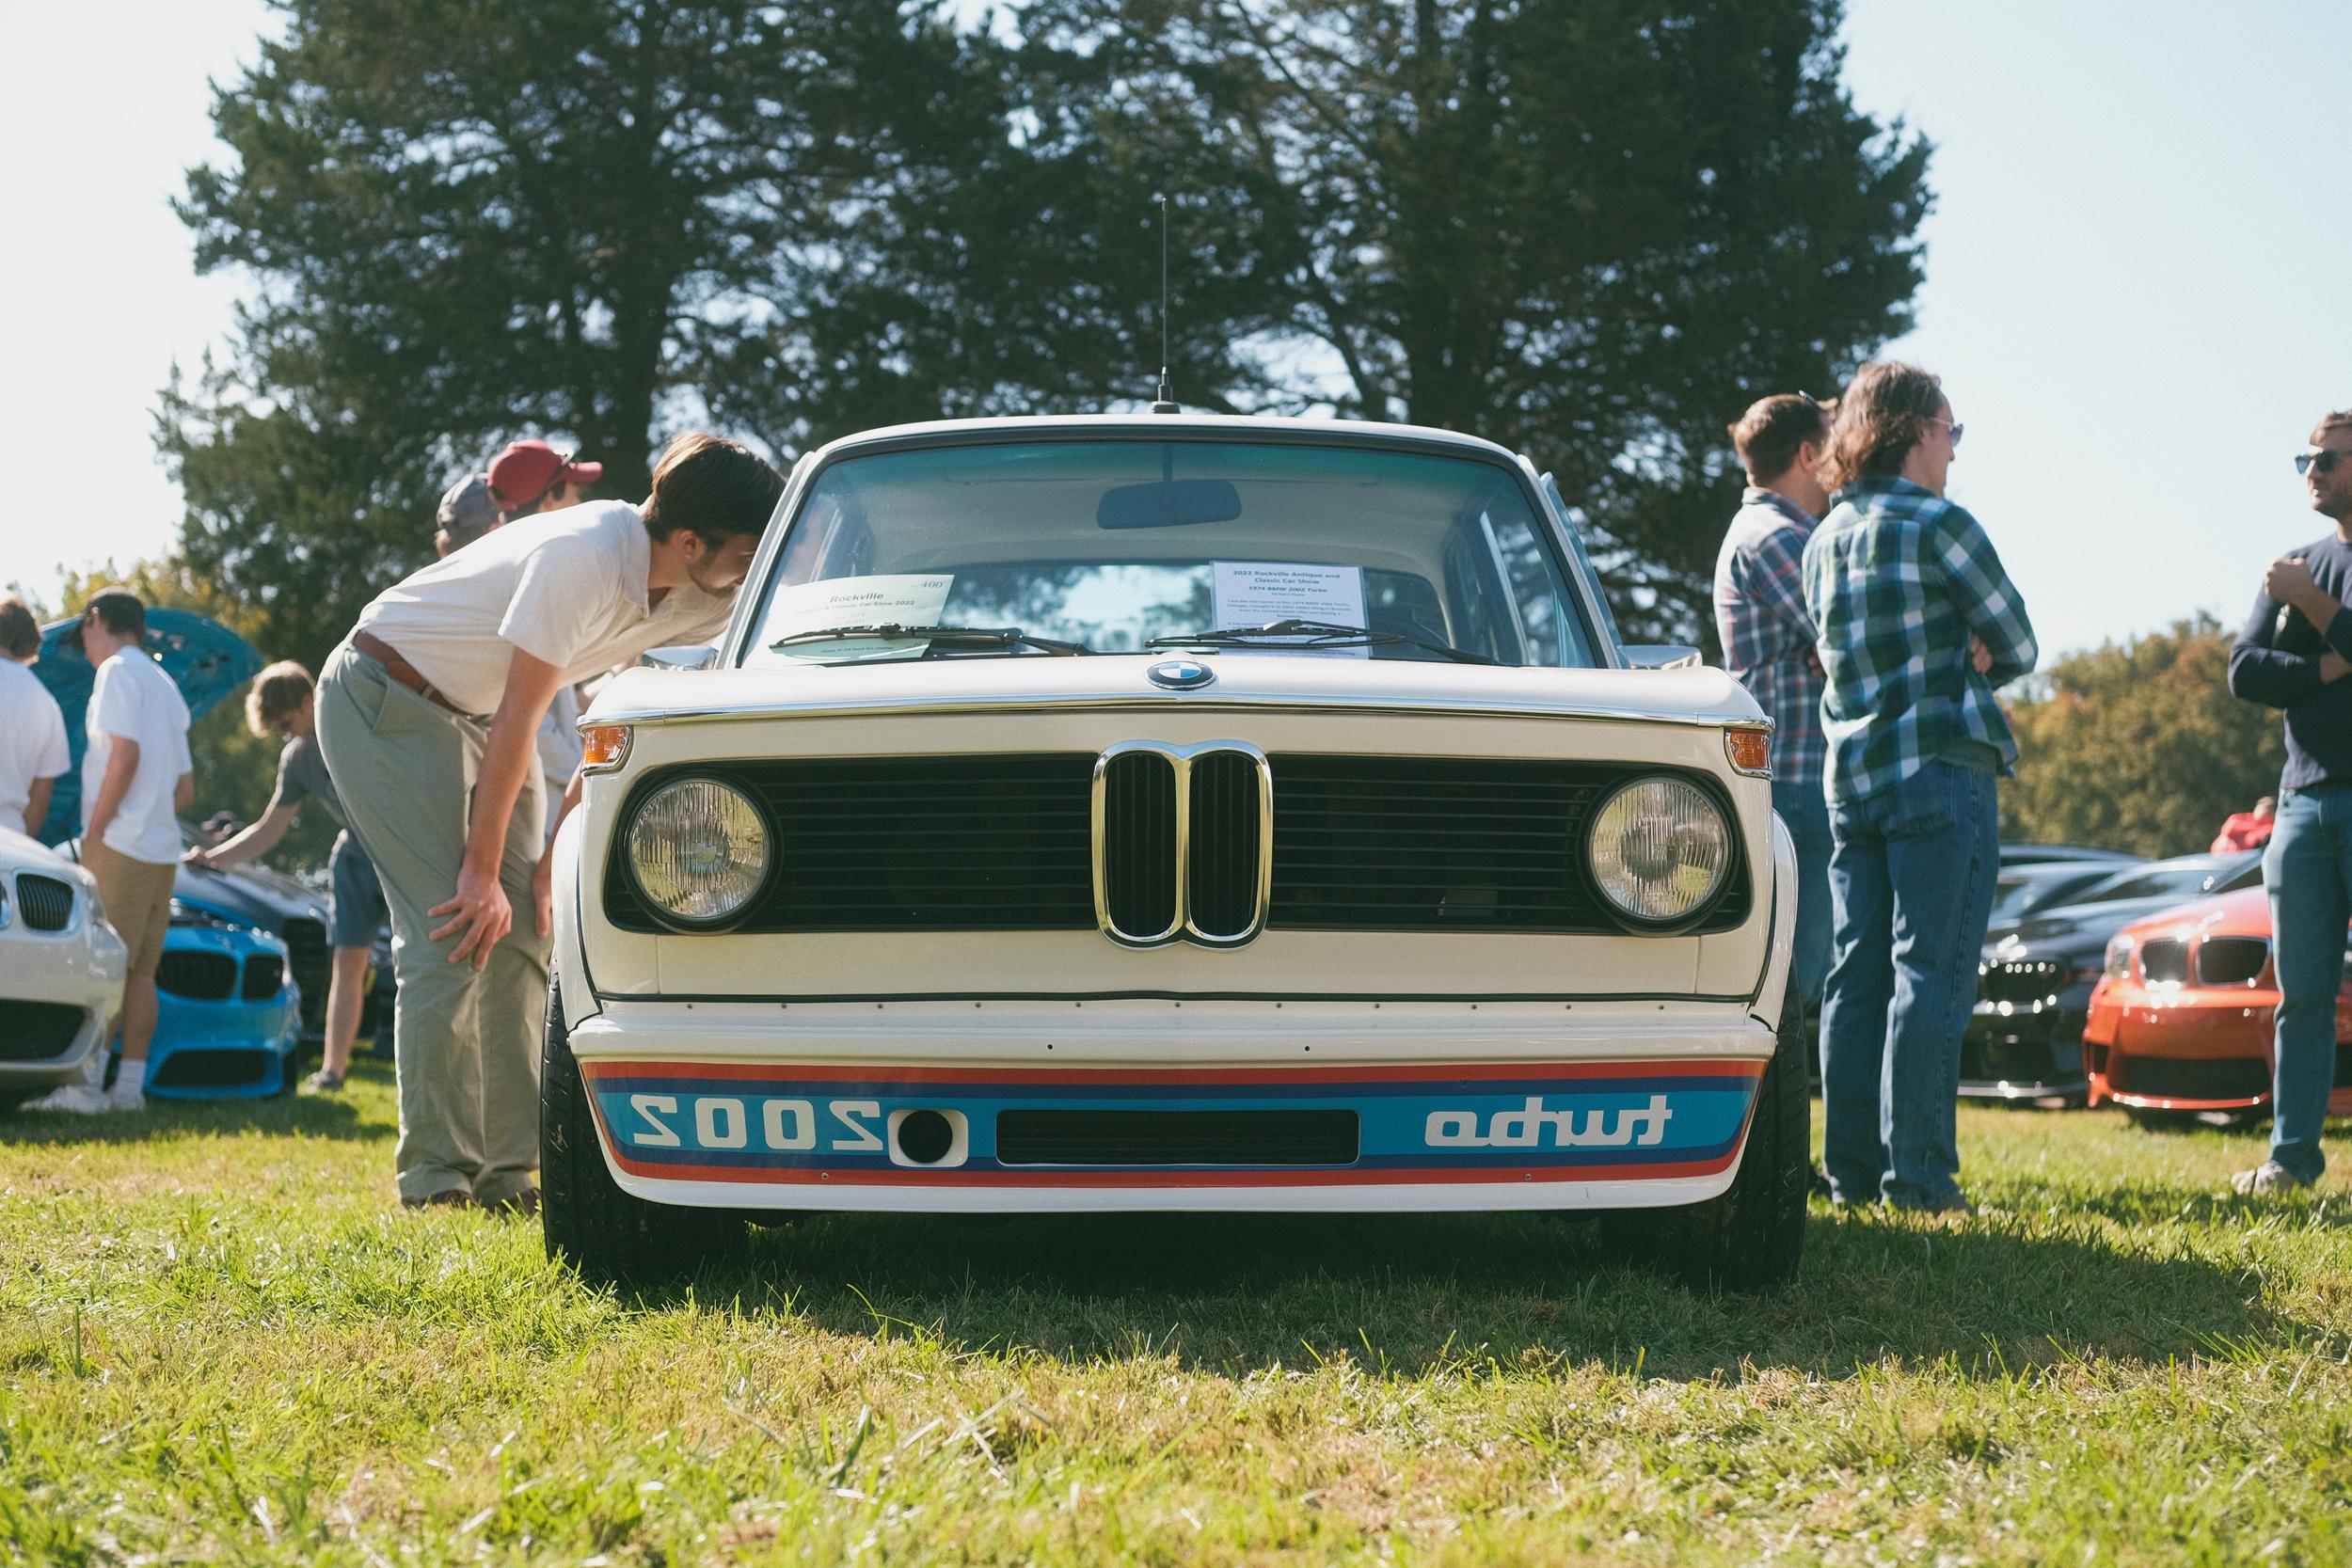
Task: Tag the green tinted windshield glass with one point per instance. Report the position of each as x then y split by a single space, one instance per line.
1110 544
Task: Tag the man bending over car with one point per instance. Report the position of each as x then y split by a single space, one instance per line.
427 713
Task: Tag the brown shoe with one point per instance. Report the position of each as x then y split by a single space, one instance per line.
453 1197
515 1205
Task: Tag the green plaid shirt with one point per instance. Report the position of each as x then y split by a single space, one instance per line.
1897 579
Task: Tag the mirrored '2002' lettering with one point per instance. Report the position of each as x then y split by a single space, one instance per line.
836 1126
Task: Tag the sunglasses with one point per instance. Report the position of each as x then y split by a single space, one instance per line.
1957 428
2325 460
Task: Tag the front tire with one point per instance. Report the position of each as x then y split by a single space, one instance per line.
1752 1236
587 1220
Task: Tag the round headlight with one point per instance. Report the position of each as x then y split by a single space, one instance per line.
1660 849
697 851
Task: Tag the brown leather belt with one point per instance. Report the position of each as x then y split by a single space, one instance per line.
404 672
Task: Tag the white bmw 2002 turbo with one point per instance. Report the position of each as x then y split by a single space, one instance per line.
1171 812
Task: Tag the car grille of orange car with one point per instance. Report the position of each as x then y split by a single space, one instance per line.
1003 843
2231 960
2189 1078
2164 961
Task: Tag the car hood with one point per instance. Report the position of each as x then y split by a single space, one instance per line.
2074 928
2243 913
1236 680
205 660
20 853
253 894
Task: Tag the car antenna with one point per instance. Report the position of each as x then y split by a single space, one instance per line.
1164 402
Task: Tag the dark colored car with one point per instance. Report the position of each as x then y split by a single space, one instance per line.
2032 886
2024 1039
2036 854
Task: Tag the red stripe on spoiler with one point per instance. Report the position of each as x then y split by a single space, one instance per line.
797 1073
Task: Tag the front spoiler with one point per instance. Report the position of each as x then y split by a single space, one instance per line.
1459 1134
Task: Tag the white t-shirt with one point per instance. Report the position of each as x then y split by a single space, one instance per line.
32 741
569 589
134 699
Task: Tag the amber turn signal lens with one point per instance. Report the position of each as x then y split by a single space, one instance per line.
1749 750
607 748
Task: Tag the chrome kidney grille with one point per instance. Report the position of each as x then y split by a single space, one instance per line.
1183 842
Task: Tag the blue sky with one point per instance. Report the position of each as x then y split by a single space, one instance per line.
2132 284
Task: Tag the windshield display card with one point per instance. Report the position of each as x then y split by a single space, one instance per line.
1252 593
906 599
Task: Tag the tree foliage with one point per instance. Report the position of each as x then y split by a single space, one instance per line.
469 222
2139 746
1592 230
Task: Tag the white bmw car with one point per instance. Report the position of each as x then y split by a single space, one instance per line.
60 970
1167 812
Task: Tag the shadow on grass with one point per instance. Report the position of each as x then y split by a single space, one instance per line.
1413 1294
303 1115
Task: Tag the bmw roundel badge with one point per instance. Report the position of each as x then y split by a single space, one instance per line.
1179 675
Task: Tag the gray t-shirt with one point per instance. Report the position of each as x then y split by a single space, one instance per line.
302 771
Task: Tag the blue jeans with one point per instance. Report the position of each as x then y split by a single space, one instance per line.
1805 808
2308 869
1911 874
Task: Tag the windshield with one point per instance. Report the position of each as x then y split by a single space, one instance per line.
1111 546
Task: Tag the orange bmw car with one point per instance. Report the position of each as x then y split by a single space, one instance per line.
2181 1020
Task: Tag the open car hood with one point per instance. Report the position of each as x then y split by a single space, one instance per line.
205 660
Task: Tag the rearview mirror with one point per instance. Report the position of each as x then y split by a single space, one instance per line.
1170 503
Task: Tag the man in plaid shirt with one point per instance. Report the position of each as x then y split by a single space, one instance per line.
1768 639
1918 625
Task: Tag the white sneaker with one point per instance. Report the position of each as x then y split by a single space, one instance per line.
2267 1179
80 1099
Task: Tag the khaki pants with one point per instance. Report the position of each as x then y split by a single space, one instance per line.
137 895
468 1040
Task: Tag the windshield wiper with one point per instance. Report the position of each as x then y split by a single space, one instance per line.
967 636
1313 634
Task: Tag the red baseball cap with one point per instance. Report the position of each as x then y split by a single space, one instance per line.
528 470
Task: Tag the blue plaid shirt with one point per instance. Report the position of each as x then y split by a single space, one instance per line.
1899 579
1767 630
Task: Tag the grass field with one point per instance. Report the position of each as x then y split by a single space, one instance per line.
220 1340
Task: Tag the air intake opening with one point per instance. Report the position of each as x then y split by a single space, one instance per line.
925 1137
1046 1137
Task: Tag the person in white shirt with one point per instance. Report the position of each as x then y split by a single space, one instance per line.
428 714
33 753
136 778
527 479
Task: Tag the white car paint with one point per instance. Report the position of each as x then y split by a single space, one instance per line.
79 968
